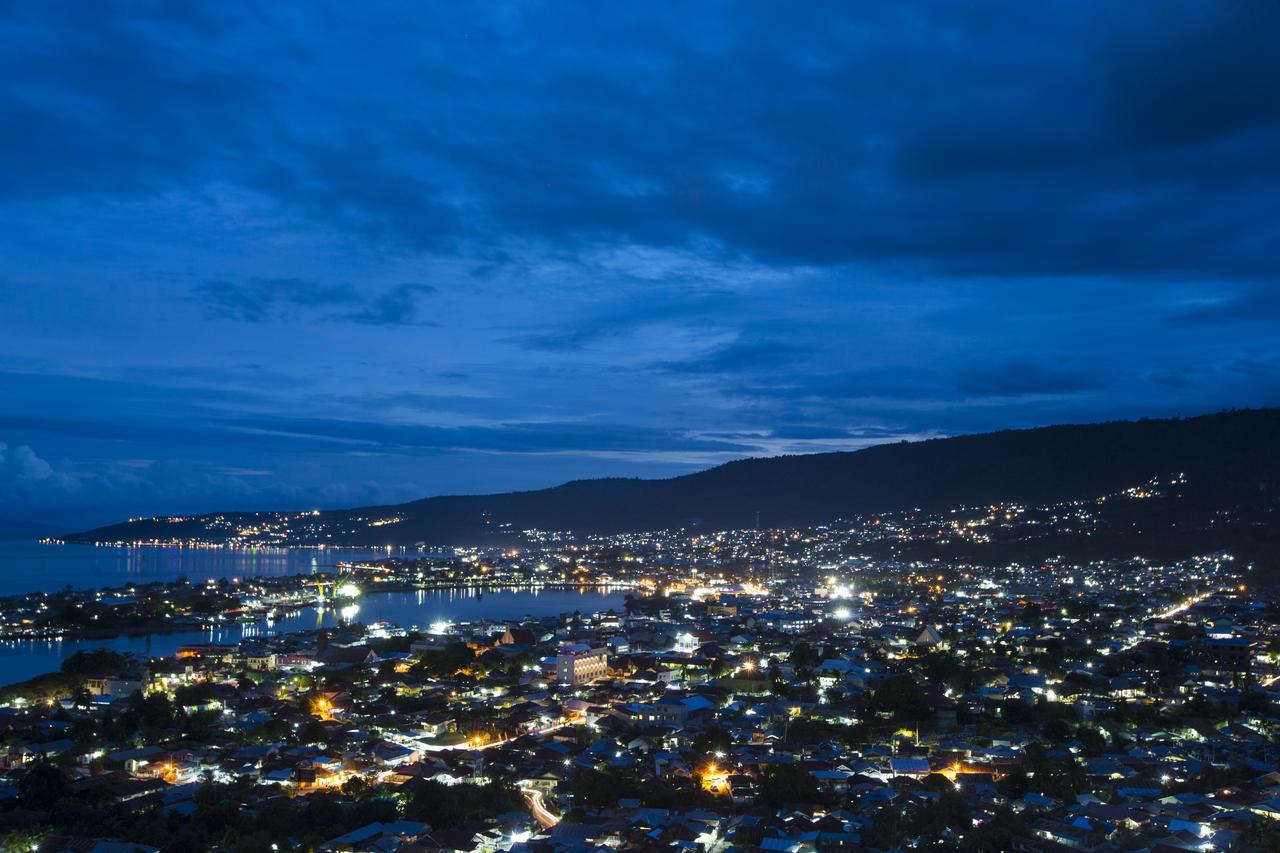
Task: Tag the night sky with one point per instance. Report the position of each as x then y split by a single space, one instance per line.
309 255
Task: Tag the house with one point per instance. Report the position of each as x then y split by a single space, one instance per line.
345 656
377 837
108 685
518 637
676 711
930 638
916 768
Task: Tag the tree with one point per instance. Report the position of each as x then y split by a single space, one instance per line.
26 838
1058 777
1093 741
98 662
997 834
195 694
712 739
444 806
313 732
43 785
802 656
450 659
200 726
1057 730
154 711
599 788
784 784
902 696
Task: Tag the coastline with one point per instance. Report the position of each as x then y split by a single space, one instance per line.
287 595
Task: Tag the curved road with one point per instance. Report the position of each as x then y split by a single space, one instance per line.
538 808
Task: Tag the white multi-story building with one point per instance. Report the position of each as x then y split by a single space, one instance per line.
578 663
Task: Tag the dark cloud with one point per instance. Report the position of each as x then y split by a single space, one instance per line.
813 432
268 299
1258 303
509 437
1022 377
742 356
118 100
259 300
656 237
396 307
689 304
1053 141
196 418
888 383
1214 73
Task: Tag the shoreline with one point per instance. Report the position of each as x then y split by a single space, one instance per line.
259 610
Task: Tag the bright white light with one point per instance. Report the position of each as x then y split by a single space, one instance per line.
349 612
347 590
441 627
843 613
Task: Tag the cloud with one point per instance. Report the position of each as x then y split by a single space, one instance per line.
670 235
268 299
506 437
1158 97
395 307
60 497
1094 141
21 468
259 300
228 422
121 102
1256 303
1020 377
817 432
741 356
690 303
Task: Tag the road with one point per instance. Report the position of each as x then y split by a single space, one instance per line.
538 808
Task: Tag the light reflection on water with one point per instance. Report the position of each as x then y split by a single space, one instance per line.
22 659
33 567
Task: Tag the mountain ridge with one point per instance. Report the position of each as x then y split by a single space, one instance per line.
1227 456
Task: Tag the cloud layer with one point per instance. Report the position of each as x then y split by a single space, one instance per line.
260 254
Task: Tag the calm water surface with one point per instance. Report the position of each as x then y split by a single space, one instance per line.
22 659
32 567
26 567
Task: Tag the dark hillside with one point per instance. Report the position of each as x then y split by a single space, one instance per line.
1229 459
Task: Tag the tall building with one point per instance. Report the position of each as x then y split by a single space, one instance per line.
579 663
1225 657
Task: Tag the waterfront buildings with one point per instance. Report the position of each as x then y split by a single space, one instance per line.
832 698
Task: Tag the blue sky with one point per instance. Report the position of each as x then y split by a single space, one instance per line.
293 256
